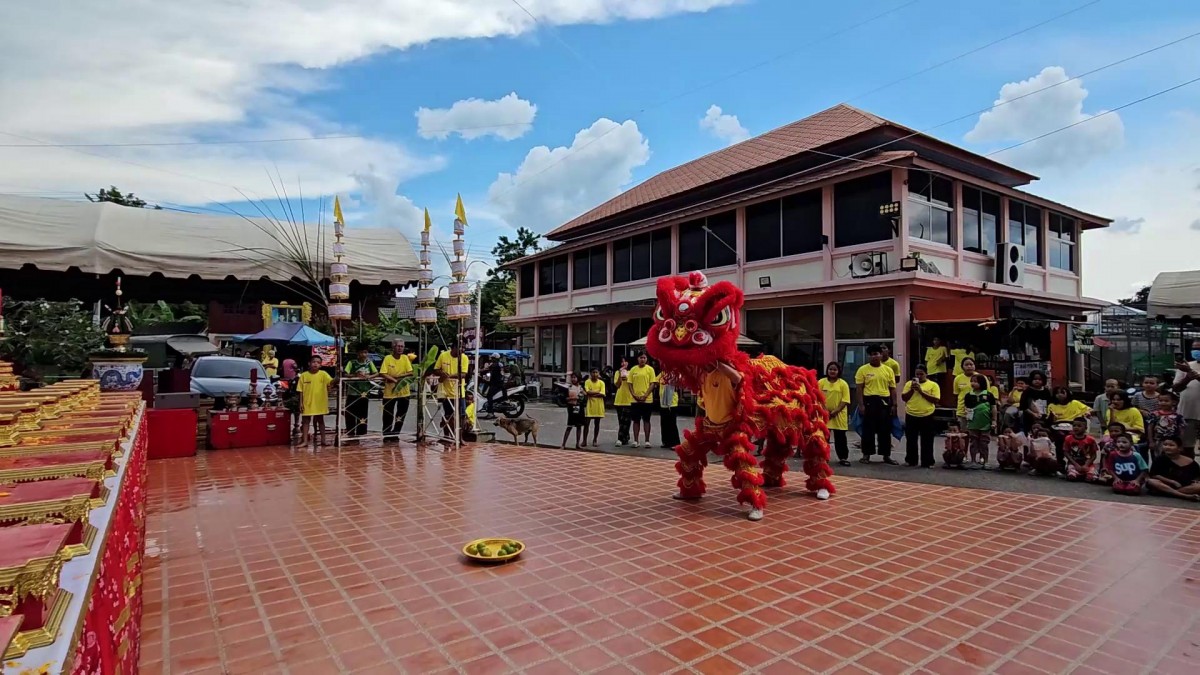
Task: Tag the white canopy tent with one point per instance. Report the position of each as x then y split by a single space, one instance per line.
98 238
1175 296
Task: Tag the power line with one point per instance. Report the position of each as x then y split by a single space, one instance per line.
974 50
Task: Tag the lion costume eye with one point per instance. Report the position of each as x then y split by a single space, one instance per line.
722 318
658 314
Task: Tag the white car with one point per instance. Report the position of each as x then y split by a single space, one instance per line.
219 376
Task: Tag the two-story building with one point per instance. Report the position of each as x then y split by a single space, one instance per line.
844 229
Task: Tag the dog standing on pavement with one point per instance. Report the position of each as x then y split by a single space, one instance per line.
522 425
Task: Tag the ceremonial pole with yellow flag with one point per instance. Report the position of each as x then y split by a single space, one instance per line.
426 314
339 306
460 308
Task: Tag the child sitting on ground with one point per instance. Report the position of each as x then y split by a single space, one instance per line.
1127 467
1107 444
1010 449
1042 459
1173 474
1079 451
956 447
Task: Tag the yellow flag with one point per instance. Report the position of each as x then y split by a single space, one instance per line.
337 211
459 212
428 222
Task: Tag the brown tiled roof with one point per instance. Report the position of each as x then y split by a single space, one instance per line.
828 126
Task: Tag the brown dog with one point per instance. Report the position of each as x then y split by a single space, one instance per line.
522 425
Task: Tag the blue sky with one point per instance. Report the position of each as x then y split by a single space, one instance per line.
362 68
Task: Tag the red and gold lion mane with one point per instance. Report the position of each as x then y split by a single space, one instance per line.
697 325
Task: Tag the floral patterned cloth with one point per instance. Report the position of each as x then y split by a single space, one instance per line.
111 636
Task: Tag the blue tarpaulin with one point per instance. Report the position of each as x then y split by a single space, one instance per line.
291 334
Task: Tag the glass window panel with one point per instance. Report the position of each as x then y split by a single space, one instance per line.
545 277
940 222
691 246
763 239
856 203
560 274
660 252
766 326
622 251
865 320
920 224
972 222
942 192
991 222
801 215
525 286
599 266
582 272
803 334
641 257
722 239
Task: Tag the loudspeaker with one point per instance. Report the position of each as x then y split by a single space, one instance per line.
1010 264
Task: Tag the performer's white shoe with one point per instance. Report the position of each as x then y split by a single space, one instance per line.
822 494
682 498
755 515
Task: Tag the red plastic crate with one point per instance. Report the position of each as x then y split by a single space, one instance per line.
172 433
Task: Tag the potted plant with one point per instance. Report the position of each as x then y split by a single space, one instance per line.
118 368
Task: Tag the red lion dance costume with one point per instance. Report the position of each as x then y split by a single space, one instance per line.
696 329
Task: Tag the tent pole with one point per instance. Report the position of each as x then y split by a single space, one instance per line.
478 347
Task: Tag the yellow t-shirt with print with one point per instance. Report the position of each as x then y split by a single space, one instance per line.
875 380
640 380
918 405
959 355
399 367
962 387
595 405
720 399
836 393
624 395
894 365
933 360
1068 412
445 364
314 393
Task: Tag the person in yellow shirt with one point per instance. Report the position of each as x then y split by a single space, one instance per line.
876 406
935 359
837 401
270 362
668 401
471 409
921 396
1122 410
960 354
1063 408
623 401
962 387
397 372
886 356
642 381
594 389
313 386
451 367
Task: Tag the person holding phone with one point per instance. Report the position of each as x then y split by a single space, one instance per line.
1187 385
921 397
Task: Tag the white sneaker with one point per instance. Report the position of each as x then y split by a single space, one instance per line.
755 515
822 494
635 444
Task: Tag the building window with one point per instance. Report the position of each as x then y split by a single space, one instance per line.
591 266
525 281
1060 242
856 203
865 321
552 276
1024 228
930 206
552 349
625 333
781 227
794 334
642 256
589 342
981 220
708 242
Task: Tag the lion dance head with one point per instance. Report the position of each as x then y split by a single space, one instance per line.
695 325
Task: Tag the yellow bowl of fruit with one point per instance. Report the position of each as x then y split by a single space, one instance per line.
493 549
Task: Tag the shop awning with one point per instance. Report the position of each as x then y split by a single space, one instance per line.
1175 296
1028 311
970 309
195 345
1101 343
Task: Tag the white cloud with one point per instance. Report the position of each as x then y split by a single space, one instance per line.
1195 225
552 186
389 209
1036 114
507 118
724 126
1126 225
135 71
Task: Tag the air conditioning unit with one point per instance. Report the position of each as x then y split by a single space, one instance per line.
868 264
1010 264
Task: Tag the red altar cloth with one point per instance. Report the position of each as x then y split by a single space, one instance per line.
68 498
172 433
110 639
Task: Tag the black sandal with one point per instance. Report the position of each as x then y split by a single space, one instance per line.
844 462
865 460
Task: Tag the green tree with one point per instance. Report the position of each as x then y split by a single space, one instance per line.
1139 299
115 196
46 334
144 314
500 289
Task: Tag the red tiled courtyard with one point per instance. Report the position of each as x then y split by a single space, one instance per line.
275 560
